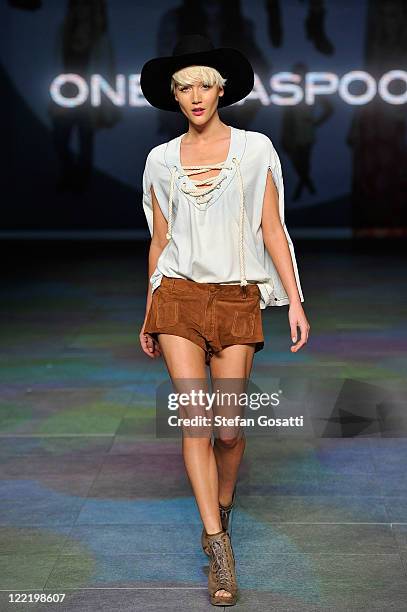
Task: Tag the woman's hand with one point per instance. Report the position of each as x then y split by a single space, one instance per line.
297 318
149 345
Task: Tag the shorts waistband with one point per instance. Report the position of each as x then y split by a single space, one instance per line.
186 283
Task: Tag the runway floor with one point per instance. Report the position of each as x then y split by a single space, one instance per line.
93 505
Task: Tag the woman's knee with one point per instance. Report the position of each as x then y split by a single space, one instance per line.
228 442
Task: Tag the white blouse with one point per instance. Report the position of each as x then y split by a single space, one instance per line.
214 232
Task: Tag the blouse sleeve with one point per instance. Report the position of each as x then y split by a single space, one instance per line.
274 164
147 199
154 175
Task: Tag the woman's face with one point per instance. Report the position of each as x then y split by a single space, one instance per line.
198 96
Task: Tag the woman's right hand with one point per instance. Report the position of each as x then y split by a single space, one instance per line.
149 345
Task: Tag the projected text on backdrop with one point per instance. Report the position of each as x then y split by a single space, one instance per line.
286 89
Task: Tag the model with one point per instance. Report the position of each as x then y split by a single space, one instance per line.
220 253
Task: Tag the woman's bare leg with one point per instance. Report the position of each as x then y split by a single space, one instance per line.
233 362
186 360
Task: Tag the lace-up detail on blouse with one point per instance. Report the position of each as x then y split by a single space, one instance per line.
203 195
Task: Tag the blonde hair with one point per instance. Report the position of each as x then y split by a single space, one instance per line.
194 74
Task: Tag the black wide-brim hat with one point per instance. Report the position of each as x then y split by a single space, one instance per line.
195 49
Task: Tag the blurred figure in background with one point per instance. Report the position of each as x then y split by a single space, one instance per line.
298 134
314 25
83 48
378 131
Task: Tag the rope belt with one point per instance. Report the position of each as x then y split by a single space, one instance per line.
204 194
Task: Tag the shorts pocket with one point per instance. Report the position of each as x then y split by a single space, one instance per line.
167 313
243 324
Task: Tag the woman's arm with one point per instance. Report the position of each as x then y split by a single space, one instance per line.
278 249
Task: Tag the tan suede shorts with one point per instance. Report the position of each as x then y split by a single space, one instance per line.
211 315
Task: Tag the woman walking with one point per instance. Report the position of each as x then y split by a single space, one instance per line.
220 253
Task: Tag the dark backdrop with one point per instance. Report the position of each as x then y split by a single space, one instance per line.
80 167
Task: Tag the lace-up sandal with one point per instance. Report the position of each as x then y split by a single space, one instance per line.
222 574
225 512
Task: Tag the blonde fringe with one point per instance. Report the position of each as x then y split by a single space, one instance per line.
194 74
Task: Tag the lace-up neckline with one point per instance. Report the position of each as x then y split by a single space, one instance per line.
198 195
204 194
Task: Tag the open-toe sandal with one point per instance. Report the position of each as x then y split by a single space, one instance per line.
222 574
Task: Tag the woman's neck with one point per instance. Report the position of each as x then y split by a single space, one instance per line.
209 132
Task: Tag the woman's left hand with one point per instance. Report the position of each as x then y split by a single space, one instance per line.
297 318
